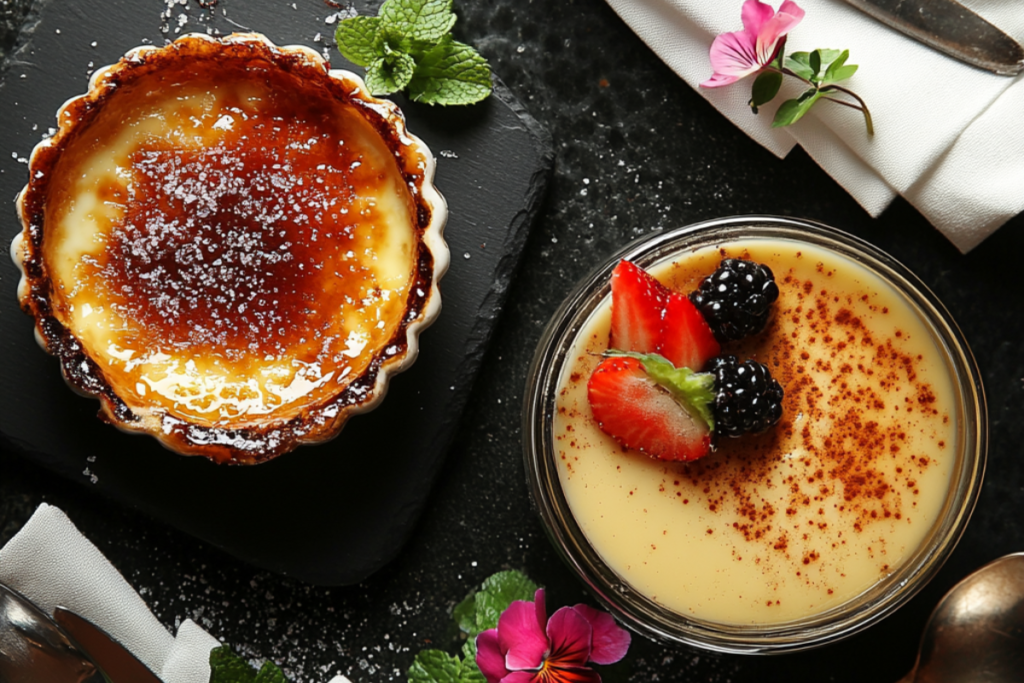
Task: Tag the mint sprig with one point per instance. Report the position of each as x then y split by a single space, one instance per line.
693 391
477 613
408 46
435 666
227 667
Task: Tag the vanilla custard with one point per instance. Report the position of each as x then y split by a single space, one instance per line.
776 527
232 243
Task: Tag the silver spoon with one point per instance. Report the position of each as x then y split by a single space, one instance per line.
976 633
33 648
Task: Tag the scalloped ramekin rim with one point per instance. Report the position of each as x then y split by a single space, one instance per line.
431 236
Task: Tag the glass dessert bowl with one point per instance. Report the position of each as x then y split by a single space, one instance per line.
806 533
230 245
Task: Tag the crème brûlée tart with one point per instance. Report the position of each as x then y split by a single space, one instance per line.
230 245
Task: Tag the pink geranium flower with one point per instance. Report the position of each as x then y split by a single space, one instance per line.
739 54
528 648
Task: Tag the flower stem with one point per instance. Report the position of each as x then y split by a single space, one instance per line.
863 105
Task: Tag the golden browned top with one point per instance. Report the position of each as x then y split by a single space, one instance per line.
233 237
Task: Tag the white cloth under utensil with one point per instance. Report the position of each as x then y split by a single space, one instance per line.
948 137
51 563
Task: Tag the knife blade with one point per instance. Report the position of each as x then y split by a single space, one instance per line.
949 27
113 659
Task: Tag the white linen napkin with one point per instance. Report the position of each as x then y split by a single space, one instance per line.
948 137
51 563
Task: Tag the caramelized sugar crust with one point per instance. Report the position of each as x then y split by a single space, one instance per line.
229 246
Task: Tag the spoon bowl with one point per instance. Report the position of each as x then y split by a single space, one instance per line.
33 648
976 633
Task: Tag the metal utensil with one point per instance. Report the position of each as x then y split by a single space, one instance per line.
951 28
976 633
34 649
113 658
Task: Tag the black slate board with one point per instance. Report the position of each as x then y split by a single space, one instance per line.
331 514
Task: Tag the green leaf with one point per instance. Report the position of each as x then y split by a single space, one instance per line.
837 62
792 111
465 614
814 61
227 667
693 391
418 20
799 63
829 56
390 73
435 666
835 66
497 593
270 673
766 87
451 73
469 650
842 73
360 40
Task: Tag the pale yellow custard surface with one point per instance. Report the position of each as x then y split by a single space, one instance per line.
788 524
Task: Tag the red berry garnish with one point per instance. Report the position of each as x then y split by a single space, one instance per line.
631 407
647 317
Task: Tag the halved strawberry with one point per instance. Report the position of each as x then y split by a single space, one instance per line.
631 407
650 318
638 309
687 340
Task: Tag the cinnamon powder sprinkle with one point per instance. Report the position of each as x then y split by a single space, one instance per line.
840 446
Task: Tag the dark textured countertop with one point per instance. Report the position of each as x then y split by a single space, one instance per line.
637 151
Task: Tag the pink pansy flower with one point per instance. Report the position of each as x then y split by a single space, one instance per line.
739 54
528 648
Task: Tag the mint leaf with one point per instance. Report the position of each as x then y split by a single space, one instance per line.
451 73
360 40
497 593
694 391
227 667
465 614
418 20
792 111
269 673
766 87
390 73
469 650
435 666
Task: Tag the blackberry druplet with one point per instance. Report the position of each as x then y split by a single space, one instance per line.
736 299
747 399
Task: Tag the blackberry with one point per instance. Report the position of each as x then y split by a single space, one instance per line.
736 299
747 399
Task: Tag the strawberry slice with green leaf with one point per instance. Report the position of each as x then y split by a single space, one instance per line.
647 404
